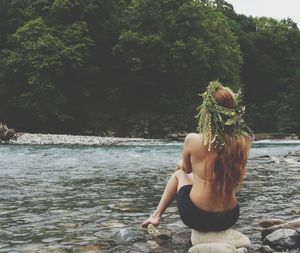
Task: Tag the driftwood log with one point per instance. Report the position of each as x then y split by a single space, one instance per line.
6 133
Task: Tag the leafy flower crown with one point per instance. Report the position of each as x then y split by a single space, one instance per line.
216 120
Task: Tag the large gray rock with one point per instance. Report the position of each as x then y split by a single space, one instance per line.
228 236
283 239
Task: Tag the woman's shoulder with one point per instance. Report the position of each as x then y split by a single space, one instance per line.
194 138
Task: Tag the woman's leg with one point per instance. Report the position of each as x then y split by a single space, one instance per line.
178 179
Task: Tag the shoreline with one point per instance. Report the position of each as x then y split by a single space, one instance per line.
67 139
276 136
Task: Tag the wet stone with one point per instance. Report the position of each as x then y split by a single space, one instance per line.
87 249
283 239
265 223
129 235
164 238
213 247
293 224
266 249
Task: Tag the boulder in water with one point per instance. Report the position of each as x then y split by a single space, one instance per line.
213 248
228 236
283 239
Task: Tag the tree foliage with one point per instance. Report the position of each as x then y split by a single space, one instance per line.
39 57
135 67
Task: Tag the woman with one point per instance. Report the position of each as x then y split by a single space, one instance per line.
213 165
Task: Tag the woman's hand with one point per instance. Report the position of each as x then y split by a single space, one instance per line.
154 219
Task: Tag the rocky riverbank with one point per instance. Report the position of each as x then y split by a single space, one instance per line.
257 137
279 235
49 139
62 139
276 136
6 133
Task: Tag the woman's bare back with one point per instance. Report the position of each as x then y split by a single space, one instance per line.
202 164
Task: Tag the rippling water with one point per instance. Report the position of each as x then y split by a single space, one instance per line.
65 198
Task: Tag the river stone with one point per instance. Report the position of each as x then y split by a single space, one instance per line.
297 211
230 236
265 223
283 238
266 249
213 248
293 224
294 250
129 235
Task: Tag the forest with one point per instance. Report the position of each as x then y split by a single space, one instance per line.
136 67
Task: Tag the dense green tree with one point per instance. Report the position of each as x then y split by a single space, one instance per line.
288 113
38 59
136 66
272 57
169 50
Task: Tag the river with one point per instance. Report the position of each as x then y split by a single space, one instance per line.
73 198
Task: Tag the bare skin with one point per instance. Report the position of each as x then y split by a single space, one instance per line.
190 170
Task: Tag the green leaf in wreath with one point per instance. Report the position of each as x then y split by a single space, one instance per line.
230 122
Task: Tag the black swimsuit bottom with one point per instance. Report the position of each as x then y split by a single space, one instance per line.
201 220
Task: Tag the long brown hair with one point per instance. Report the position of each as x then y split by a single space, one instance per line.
230 163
